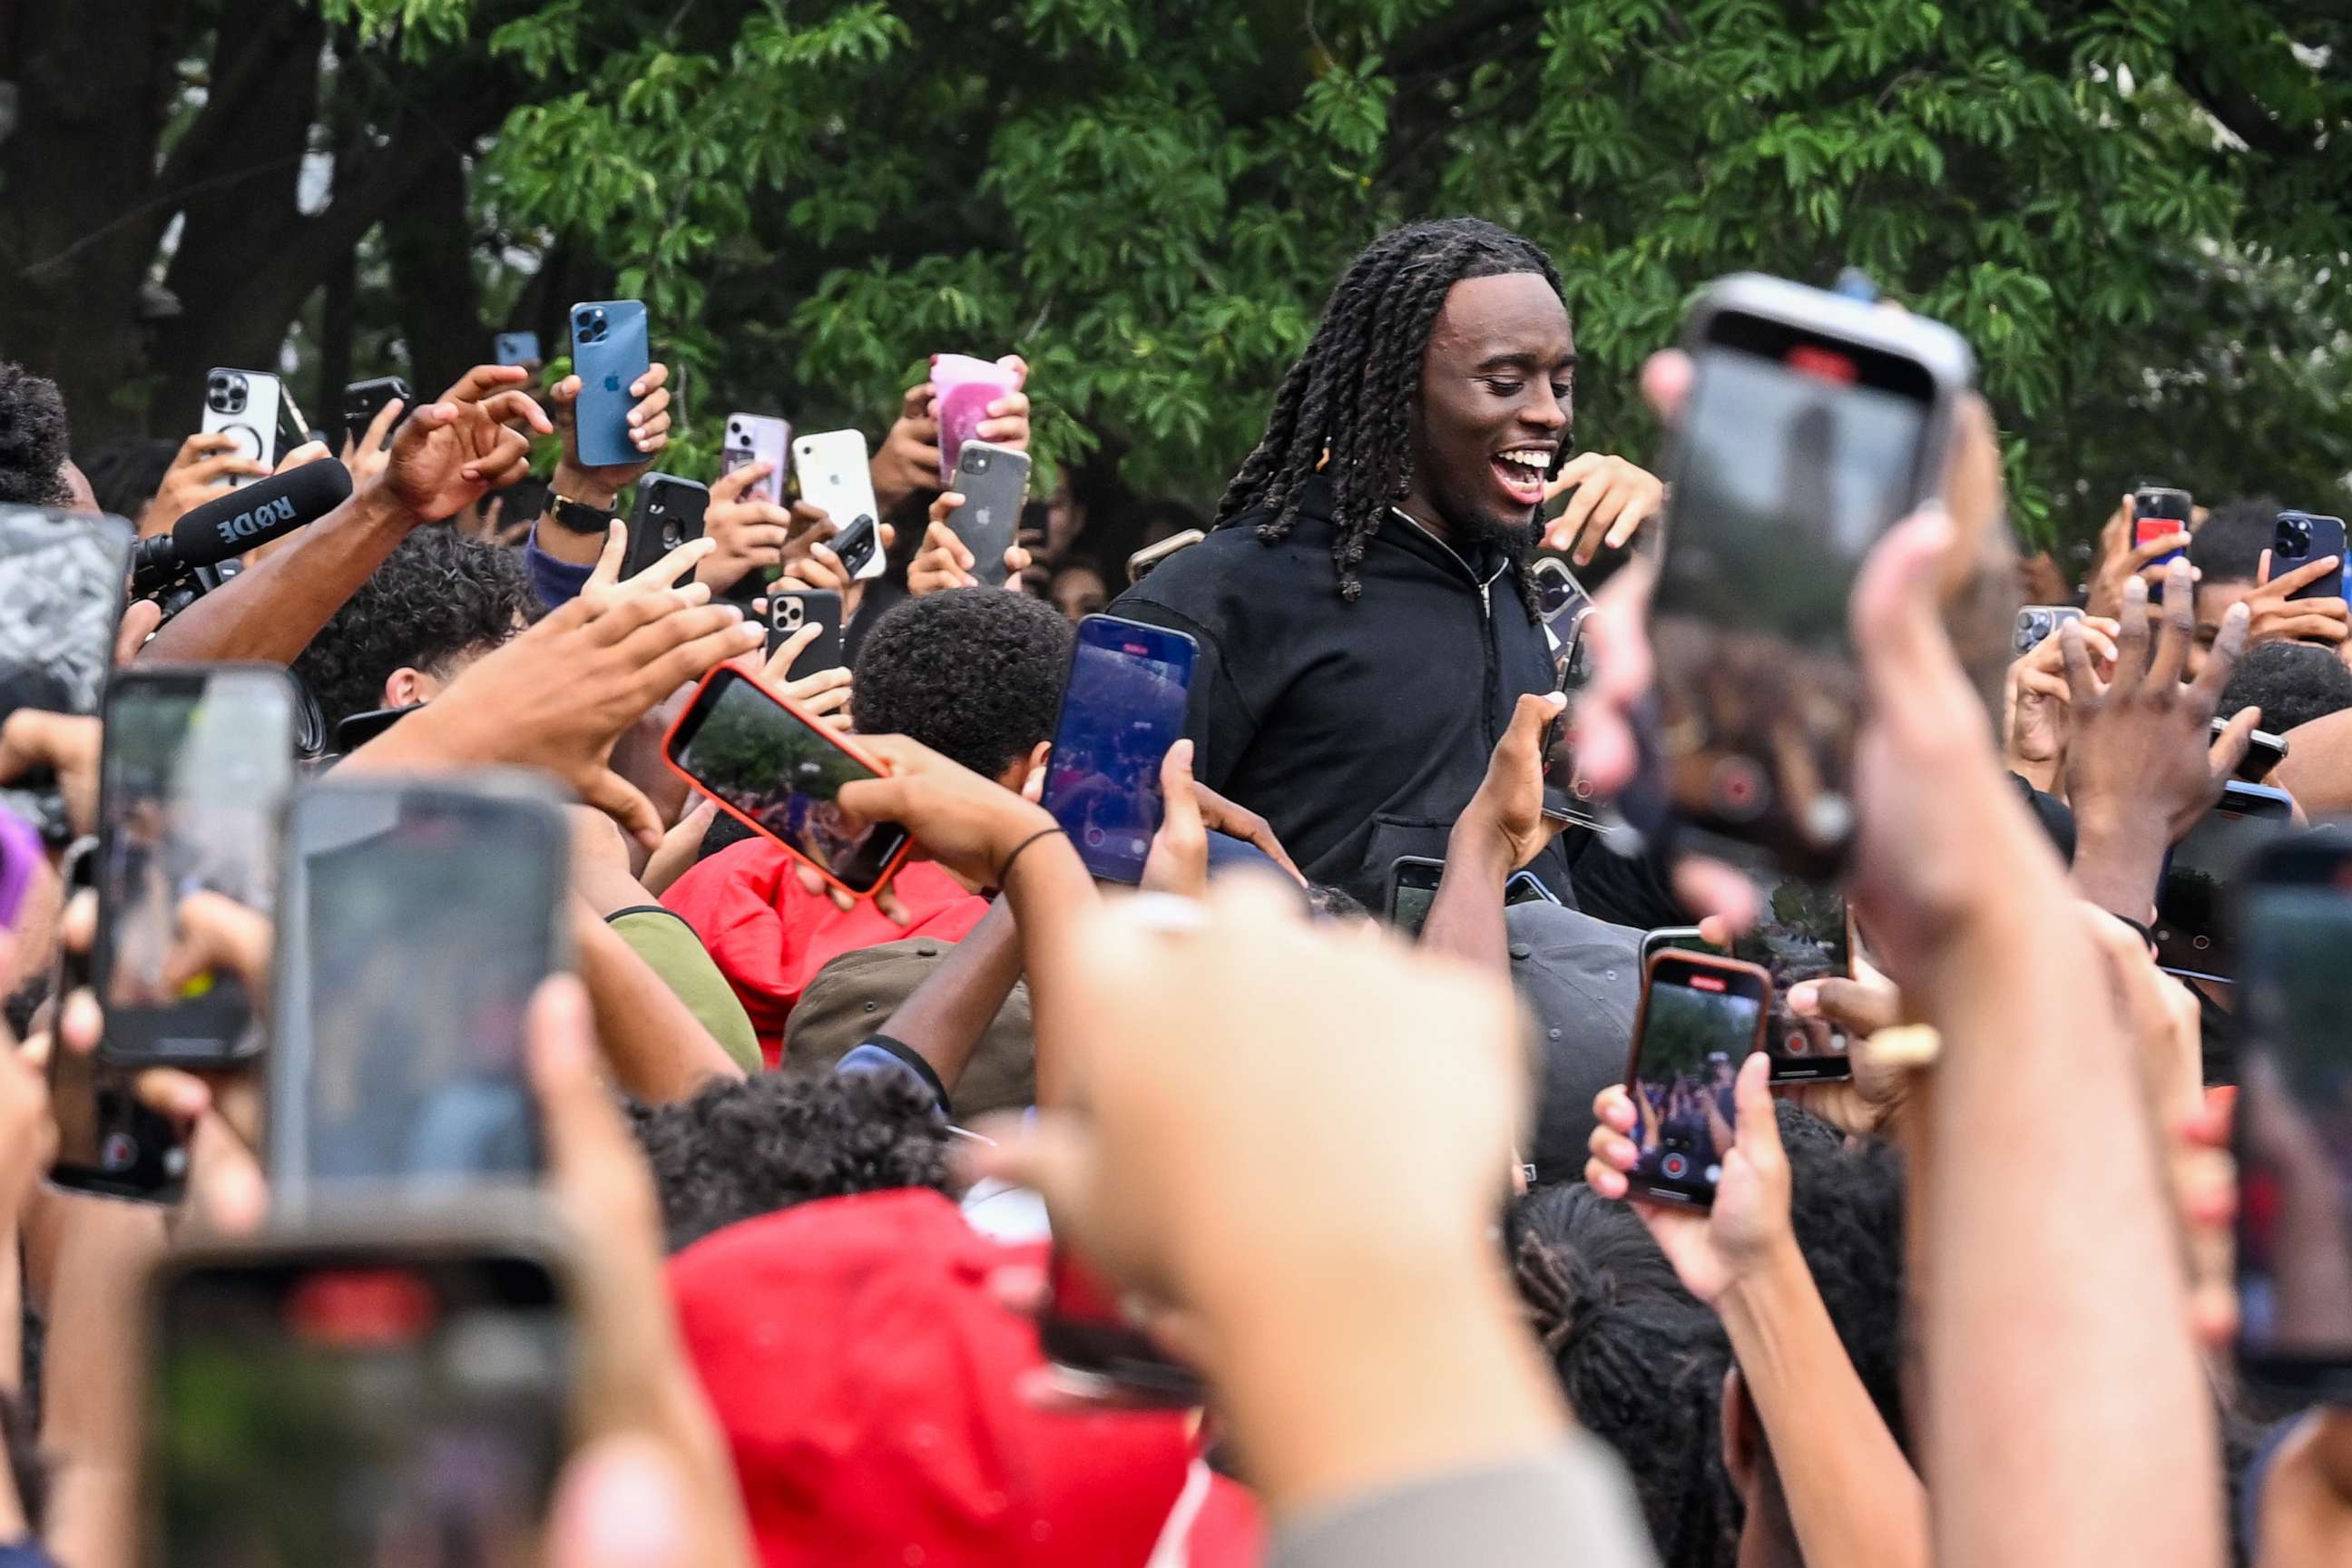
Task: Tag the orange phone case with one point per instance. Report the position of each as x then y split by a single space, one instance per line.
864 758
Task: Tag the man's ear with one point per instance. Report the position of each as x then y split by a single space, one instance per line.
1741 1434
409 685
1027 777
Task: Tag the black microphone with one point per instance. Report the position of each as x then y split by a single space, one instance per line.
239 521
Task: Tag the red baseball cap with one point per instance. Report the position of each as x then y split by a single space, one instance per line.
868 1385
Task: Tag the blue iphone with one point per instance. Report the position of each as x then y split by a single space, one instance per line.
1122 709
609 352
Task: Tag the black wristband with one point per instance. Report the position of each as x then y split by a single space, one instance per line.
1006 870
579 517
2146 934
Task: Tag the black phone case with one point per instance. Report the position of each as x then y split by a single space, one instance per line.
788 613
855 545
2326 537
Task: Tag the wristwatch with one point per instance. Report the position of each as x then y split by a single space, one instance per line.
579 517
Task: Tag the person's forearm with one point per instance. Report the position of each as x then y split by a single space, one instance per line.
1465 919
1052 900
267 614
1853 1497
92 1366
656 1048
947 1017
2056 1220
2118 860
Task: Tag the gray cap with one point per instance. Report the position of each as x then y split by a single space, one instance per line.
1581 978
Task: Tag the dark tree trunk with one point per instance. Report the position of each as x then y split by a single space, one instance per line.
335 342
429 239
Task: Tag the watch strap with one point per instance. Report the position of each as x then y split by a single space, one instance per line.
579 517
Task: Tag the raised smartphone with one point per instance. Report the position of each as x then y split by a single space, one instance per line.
2264 752
1567 797
995 483
245 406
375 1395
1814 424
778 771
832 473
1412 888
61 590
2158 512
1122 707
363 400
2293 1117
1803 932
2193 936
788 612
759 438
1146 561
858 548
1094 1349
1560 599
669 513
109 1144
965 386
2303 537
515 348
197 765
2037 623
1701 1017
610 350
416 918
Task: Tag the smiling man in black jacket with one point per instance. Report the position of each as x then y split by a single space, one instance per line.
1363 608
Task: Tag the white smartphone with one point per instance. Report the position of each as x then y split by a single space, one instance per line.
245 404
833 474
759 438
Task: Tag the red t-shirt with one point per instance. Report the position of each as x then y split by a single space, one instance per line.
769 936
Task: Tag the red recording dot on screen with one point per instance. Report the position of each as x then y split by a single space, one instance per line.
1824 364
1706 983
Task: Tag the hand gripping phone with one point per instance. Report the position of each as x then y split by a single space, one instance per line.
2293 1118
789 611
61 588
610 350
373 1394
2303 537
2193 938
779 771
1814 424
363 400
245 406
669 513
831 468
995 483
1701 1017
2037 623
759 438
416 920
2158 511
1804 933
1122 707
197 765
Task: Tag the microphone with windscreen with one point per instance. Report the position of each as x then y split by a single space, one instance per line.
239 521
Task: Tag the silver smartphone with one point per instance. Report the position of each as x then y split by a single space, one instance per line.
245 405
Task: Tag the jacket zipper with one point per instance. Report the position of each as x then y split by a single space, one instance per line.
1486 589
1495 720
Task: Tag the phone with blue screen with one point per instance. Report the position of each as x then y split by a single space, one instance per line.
1122 707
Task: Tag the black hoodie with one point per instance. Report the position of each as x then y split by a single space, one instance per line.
1360 731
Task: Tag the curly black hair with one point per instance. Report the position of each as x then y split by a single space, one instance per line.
1351 395
2228 545
1846 1207
2292 682
125 475
34 439
975 674
437 597
745 1147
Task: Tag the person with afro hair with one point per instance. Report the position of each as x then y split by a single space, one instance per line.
35 465
439 602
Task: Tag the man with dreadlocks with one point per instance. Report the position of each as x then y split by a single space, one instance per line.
1364 619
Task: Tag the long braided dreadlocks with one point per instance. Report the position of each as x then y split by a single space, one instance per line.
1351 393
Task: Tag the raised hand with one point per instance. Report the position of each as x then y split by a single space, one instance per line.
648 433
1614 497
206 462
749 534
452 451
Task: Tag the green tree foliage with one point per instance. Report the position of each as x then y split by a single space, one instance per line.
2137 210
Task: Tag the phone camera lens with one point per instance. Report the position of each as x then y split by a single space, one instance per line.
979 464
2295 535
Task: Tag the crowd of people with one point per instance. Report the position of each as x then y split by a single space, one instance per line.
831 1177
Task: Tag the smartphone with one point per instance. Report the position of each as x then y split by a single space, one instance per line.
1122 707
2158 511
1093 1346
777 769
61 592
1560 599
2037 623
788 612
417 919
610 350
109 1144
759 438
1701 1017
1814 424
858 548
1567 797
831 469
2303 537
995 483
2264 752
1804 932
196 766
1527 887
669 513
363 400
515 348
245 406
1146 561
1412 888
2192 937
363 1396
2293 1117
1680 939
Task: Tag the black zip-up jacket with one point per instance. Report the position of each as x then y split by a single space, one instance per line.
1360 731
